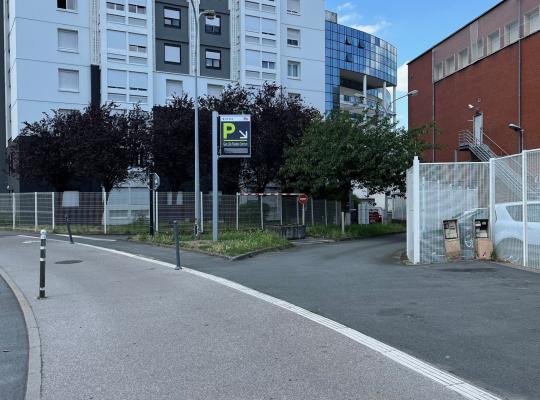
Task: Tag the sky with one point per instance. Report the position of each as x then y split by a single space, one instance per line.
413 26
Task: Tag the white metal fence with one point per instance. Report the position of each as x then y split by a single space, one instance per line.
127 211
506 190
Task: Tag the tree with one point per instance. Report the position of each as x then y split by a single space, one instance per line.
44 151
110 143
278 122
342 152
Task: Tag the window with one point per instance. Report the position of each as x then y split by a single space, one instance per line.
295 96
213 59
213 25
268 9
137 9
250 5
70 5
172 54
268 26
450 65
348 57
214 90
173 88
253 58
138 81
463 58
116 79
494 42
68 80
478 50
117 6
68 40
171 17
511 33
252 24
293 37
137 43
293 7
293 69
116 40
438 73
269 60
532 21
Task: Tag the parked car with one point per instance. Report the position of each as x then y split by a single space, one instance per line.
375 216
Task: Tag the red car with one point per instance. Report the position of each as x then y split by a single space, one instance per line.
375 217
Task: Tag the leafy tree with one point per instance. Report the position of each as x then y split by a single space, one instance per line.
341 152
44 151
278 122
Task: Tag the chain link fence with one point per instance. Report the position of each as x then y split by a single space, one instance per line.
127 211
505 190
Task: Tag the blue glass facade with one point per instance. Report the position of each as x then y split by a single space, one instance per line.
351 50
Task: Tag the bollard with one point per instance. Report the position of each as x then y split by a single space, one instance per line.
69 230
177 241
42 256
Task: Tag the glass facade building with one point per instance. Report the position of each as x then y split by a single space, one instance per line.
359 68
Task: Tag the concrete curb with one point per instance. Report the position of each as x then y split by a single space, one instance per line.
33 378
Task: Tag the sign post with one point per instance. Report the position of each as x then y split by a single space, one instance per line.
303 200
235 142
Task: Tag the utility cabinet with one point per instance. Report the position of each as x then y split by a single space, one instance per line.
482 242
452 244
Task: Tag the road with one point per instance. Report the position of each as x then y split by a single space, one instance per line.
115 327
480 321
13 346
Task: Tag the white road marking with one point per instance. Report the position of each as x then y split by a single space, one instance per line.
444 378
90 238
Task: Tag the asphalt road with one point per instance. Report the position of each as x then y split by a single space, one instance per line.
115 327
13 346
480 321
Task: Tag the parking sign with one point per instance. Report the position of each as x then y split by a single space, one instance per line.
235 134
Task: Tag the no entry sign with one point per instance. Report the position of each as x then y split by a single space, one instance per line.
235 134
303 199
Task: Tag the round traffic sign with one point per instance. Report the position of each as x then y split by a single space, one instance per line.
303 199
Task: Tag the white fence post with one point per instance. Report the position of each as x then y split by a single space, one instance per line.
13 209
343 223
492 199
524 185
35 212
104 199
416 210
237 211
53 210
281 209
262 213
156 213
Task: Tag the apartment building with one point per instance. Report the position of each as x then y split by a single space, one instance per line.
67 54
479 80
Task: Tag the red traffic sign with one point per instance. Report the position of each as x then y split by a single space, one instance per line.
303 199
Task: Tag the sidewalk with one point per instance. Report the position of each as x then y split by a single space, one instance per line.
118 328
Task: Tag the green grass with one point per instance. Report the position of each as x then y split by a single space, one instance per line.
231 243
353 231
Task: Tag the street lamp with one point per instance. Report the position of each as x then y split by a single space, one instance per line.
211 14
520 131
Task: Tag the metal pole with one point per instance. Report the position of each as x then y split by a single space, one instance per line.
303 215
325 212
312 213
525 213
177 243
416 211
156 207
69 230
202 212
13 208
197 172
35 212
297 213
491 197
42 257
215 186
151 206
262 214
237 211
281 209
104 197
53 210
343 222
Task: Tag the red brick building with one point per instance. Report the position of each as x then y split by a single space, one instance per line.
479 80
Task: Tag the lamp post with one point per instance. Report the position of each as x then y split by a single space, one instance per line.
521 132
412 93
198 14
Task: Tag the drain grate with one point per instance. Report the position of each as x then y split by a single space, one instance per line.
69 262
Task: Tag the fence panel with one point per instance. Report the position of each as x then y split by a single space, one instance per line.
508 226
533 209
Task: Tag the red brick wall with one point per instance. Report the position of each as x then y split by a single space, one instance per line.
491 85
